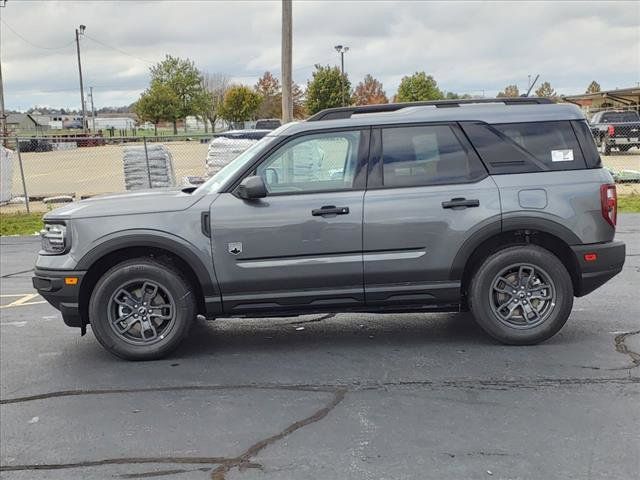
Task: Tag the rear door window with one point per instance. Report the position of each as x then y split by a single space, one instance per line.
426 155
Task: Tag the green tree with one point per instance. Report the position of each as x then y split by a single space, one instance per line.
594 87
509 91
240 104
185 80
158 104
456 96
325 89
546 90
369 92
418 87
268 87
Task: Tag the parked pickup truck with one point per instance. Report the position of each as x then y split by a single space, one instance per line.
616 129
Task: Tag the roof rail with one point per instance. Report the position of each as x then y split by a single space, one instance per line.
346 112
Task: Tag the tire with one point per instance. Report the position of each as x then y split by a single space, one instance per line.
119 290
605 146
537 267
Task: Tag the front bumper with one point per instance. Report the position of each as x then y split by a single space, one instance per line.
51 285
595 273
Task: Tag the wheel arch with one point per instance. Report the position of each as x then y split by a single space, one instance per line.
163 247
516 231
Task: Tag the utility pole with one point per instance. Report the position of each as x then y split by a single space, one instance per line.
341 49
79 32
3 116
93 111
287 47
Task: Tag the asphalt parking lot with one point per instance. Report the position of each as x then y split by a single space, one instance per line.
324 397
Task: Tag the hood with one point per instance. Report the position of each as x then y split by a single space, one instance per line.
142 201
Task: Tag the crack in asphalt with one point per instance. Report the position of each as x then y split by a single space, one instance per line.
313 320
225 464
244 460
8 275
499 384
163 473
622 347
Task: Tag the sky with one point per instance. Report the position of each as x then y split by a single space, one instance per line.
469 47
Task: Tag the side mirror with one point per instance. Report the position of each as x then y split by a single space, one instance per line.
252 187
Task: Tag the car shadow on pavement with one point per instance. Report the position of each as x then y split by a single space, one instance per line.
339 331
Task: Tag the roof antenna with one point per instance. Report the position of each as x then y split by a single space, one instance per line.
531 87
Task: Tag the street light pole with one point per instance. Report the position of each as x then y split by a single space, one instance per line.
341 49
93 111
79 32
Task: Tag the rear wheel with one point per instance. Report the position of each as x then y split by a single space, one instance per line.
141 309
521 295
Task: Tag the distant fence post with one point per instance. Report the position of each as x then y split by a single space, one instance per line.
146 156
24 184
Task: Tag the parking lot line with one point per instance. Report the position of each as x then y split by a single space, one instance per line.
23 301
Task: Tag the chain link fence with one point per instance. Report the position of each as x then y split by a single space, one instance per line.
38 172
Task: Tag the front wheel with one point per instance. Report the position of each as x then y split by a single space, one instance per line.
141 309
521 295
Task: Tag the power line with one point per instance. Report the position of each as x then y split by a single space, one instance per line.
118 50
26 40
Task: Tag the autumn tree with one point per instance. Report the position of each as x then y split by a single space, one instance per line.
185 81
594 87
216 84
418 87
325 89
158 104
509 91
240 104
268 87
369 92
545 90
299 109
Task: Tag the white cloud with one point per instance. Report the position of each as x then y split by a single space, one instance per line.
467 47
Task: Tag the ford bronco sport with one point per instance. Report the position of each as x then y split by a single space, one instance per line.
498 206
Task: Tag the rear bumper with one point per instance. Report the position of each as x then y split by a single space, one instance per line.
51 285
595 273
624 141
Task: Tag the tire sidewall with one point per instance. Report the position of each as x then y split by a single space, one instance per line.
482 284
131 270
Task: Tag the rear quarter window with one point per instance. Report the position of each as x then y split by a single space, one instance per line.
527 147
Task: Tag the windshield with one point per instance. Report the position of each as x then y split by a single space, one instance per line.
214 183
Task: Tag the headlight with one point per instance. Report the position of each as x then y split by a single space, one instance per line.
54 238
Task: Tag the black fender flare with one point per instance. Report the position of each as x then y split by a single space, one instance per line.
188 252
508 224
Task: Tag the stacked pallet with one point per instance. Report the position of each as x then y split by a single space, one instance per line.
148 167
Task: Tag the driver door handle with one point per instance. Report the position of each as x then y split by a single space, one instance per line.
329 210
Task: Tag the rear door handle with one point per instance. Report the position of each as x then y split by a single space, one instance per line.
461 203
329 210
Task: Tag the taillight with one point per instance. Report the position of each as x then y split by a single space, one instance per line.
609 202
611 130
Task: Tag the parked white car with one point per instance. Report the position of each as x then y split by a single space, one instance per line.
226 146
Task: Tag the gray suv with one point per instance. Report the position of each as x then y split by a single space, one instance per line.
498 206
